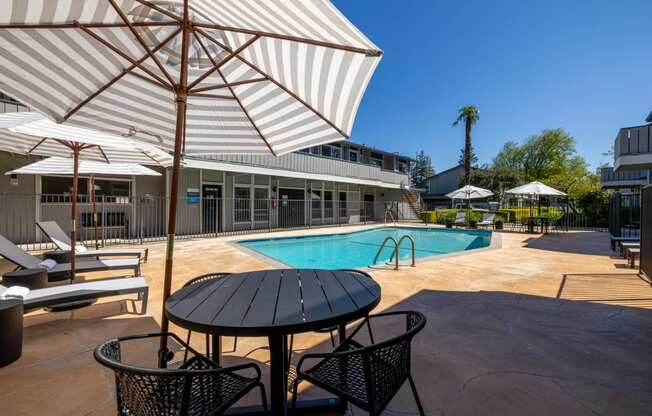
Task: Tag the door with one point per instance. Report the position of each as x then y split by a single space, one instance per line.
211 208
291 207
369 206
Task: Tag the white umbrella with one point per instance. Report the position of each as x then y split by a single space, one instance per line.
192 76
63 166
470 192
32 133
535 188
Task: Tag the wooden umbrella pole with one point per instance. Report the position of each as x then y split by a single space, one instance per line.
73 224
94 204
181 92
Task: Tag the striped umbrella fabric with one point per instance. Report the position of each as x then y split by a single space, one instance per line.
264 76
34 133
63 166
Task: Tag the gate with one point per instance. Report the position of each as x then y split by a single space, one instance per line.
646 231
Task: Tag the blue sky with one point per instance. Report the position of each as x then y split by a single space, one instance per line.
584 66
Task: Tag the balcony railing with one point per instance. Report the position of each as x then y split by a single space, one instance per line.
633 141
300 162
608 175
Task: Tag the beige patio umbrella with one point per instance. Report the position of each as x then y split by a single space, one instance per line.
191 76
31 133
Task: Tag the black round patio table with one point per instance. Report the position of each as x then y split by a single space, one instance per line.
274 304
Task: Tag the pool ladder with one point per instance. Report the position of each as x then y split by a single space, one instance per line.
395 254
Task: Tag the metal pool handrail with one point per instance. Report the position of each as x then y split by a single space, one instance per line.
398 247
395 252
382 246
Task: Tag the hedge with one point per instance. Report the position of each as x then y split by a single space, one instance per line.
443 215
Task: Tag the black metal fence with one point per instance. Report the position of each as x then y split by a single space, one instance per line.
624 214
646 231
136 220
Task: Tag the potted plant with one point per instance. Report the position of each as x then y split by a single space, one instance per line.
498 225
473 224
449 224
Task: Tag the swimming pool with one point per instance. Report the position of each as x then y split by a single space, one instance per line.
357 249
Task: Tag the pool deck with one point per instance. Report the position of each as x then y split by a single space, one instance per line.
542 325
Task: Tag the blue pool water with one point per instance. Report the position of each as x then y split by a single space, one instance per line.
354 250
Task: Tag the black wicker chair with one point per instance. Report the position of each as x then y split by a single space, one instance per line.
198 387
366 376
200 279
332 328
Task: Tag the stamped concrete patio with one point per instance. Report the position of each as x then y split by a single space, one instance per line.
544 325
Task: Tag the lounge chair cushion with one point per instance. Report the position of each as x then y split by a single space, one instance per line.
93 289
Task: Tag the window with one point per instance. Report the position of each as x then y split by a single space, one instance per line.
56 189
376 159
315 150
315 196
241 204
331 150
306 150
261 204
353 155
402 166
328 204
342 204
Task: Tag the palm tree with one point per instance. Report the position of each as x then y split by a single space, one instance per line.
470 115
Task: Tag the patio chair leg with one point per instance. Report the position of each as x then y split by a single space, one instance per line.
416 395
208 345
289 357
371 334
185 353
263 397
295 387
332 338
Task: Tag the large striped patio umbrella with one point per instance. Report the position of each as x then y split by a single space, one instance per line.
192 76
31 133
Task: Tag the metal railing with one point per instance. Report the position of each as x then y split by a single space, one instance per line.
395 256
646 232
142 219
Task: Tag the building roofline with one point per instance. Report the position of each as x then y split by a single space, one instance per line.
649 117
444 171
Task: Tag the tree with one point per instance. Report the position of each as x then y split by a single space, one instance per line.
469 115
474 158
421 170
549 157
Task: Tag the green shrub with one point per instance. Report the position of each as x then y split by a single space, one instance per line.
441 216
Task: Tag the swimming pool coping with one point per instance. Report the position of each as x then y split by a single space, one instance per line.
495 243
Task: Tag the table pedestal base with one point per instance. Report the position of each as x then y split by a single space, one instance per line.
327 406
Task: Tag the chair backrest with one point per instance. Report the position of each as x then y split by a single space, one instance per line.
460 216
56 234
389 362
205 277
194 388
488 217
16 255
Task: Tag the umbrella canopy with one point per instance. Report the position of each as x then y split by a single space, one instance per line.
535 188
260 76
63 166
33 133
470 192
192 76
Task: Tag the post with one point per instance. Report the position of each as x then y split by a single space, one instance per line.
73 224
94 211
181 101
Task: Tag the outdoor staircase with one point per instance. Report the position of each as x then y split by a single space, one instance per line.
413 200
